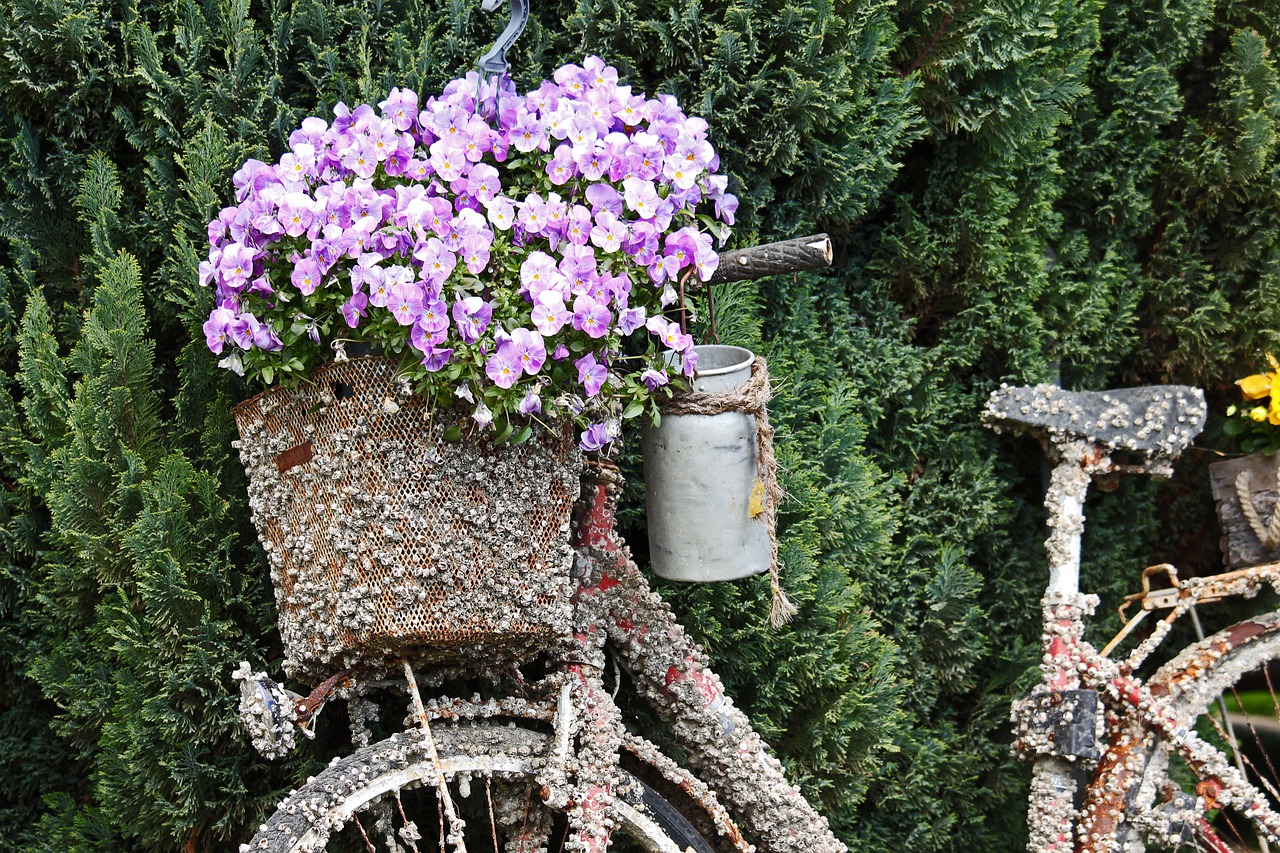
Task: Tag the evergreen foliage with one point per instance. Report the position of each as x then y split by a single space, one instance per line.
1018 190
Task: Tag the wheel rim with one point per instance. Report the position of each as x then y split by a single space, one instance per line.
310 816
1192 683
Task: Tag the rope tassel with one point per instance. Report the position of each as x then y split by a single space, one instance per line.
752 398
1268 534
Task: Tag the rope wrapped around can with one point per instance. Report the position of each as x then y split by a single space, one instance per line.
751 398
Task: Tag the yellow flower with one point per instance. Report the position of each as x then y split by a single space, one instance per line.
1258 413
1257 386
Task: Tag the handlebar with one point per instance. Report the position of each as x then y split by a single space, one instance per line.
786 256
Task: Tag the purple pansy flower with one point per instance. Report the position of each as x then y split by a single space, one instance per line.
354 309
435 358
604 197
264 338
503 367
375 278
235 265
594 437
653 379
217 329
475 253
401 108
296 214
306 276
536 273
549 312
484 182
471 315
426 340
244 329
434 316
680 249
590 316
641 197
530 404
529 133
501 213
630 319
689 361
437 261
405 303
529 349
578 225
561 168
591 374
609 232
706 261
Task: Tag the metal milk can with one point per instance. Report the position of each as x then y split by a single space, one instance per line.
700 476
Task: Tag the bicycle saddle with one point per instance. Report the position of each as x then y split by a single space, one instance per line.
1157 421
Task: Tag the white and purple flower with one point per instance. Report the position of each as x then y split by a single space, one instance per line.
426 223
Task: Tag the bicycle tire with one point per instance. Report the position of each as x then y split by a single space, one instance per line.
1190 684
305 820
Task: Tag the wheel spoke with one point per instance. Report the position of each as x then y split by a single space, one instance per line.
410 833
493 823
440 812
367 843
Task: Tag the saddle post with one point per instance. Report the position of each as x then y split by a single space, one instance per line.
1075 463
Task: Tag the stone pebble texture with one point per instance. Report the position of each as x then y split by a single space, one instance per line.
384 537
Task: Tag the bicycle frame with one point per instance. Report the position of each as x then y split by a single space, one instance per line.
674 676
1090 708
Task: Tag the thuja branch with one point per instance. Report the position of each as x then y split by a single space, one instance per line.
932 45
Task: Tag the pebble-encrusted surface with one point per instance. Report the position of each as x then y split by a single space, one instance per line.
673 675
267 711
384 537
1158 421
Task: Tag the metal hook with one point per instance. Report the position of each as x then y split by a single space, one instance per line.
495 61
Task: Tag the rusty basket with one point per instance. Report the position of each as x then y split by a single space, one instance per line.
387 541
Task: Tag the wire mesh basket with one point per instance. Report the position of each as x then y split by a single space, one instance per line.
386 541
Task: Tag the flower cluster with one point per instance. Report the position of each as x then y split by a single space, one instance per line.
1253 423
515 251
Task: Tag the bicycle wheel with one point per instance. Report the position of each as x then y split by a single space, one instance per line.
383 797
1224 797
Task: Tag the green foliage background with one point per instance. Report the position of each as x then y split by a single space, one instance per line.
1017 189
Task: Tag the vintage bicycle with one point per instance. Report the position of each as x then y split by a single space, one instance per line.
1121 761
546 742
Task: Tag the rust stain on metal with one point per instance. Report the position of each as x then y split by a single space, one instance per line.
1243 632
1093 457
1106 795
1234 637
1210 789
305 709
294 456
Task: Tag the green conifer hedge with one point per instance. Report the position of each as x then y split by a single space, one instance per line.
1017 190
